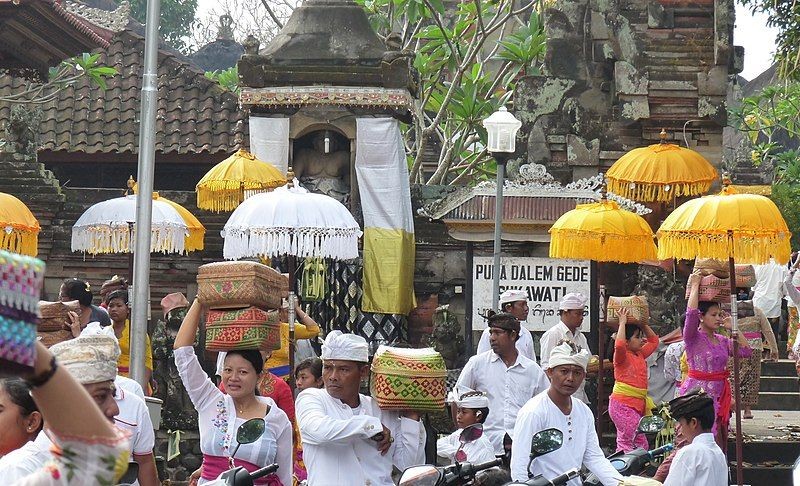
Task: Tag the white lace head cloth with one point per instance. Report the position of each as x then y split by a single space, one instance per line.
90 359
347 347
568 354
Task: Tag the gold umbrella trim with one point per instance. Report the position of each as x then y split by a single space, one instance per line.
20 239
223 187
754 247
219 196
588 245
641 191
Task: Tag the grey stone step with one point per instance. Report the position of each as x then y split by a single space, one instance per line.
783 451
778 401
782 367
762 476
779 384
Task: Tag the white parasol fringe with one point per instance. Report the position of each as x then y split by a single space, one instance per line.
117 238
336 243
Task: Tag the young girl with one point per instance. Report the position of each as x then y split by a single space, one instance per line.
473 408
308 374
629 401
707 355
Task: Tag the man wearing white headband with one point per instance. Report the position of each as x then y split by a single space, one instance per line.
515 302
570 310
555 408
508 377
473 408
347 439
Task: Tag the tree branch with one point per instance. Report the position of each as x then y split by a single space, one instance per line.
272 15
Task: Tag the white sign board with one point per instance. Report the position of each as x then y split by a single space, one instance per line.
546 280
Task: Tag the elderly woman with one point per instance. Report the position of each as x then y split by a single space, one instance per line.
20 419
220 414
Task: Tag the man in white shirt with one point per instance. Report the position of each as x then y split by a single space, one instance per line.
768 291
555 408
92 360
571 310
515 302
347 439
701 461
134 417
508 378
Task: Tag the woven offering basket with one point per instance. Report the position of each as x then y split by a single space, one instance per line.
745 276
713 289
237 329
636 305
55 315
408 379
228 285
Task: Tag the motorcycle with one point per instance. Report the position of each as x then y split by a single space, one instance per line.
545 442
247 433
461 473
637 460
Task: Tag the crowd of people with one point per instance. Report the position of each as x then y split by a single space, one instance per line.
327 432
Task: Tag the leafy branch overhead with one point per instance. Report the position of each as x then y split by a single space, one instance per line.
61 77
469 57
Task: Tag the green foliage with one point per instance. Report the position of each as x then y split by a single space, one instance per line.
175 21
787 198
467 71
773 113
785 16
227 78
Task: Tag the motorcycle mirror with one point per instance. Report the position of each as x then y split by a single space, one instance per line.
250 431
650 424
546 441
471 434
426 475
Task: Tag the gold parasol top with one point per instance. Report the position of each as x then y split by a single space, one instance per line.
660 172
19 228
747 227
603 232
223 187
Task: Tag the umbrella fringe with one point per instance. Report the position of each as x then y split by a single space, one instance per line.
591 246
223 196
754 247
650 192
117 239
194 242
20 240
337 243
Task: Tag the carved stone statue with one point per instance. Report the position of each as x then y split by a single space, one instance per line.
447 338
325 168
665 297
22 130
177 413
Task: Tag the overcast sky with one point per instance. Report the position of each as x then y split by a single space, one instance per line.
751 32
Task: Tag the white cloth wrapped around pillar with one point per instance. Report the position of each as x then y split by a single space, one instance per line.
269 140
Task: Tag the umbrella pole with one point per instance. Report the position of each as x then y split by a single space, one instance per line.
601 351
736 391
130 255
292 284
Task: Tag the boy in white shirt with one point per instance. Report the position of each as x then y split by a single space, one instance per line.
473 408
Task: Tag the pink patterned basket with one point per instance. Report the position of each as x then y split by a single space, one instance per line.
240 284
250 328
713 289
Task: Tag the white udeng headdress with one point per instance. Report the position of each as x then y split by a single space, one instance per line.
566 354
90 359
458 397
348 347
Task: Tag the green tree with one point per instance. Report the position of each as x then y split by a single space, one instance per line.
469 57
175 23
227 78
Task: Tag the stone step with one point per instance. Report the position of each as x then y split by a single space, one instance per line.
779 384
782 367
778 401
783 451
763 475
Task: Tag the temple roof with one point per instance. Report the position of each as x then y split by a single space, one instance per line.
39 34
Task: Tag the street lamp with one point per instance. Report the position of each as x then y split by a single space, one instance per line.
502 128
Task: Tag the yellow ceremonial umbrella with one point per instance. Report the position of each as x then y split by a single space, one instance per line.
19 229
727 226
660 173
224 187
602 232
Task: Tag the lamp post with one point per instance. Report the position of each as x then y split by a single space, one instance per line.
502 128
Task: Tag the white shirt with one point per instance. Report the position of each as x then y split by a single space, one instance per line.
216 419
508 388
549 341
26 460
130 386
337 445
580 446
134 417
524 343
768 290
701 462
477 451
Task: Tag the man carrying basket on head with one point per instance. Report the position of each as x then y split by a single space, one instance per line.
347 439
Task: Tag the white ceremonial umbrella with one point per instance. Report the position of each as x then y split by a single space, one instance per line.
293 222
110 226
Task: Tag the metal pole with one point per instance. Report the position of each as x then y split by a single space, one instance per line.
292 300
736 389
468 302
498 229
144 202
